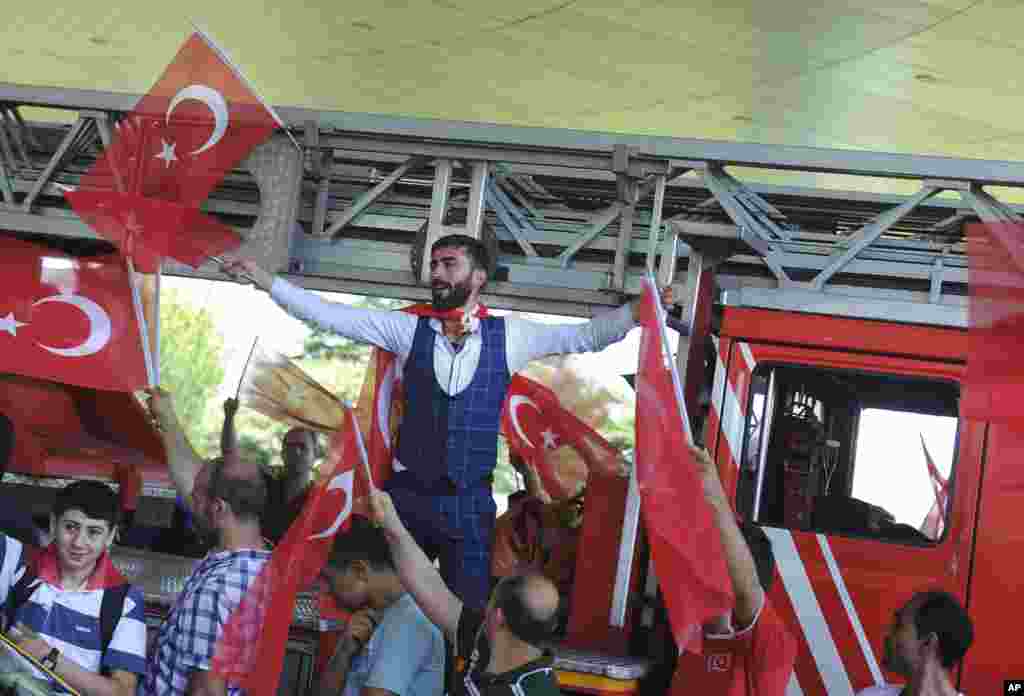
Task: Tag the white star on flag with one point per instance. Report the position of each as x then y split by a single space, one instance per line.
10 324
550 439
167 153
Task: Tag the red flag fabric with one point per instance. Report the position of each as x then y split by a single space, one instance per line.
251 649
184 136
535 424
68 319
994 386
935 521
684 539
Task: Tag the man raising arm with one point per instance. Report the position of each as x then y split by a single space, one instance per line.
498 649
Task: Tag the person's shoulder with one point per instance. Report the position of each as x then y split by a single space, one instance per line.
407 610
540 682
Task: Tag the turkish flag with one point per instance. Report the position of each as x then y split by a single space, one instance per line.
250 651
994 387
684 538
183 137
935 521
68 319
536 425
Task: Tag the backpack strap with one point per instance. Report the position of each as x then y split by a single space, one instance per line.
111 609
18 595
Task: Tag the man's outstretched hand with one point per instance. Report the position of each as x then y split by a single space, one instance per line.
664 293
246 269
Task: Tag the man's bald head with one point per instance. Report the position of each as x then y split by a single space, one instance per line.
238 483
529 603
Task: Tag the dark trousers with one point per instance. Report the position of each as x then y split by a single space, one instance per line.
455 526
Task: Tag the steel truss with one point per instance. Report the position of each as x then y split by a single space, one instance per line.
576 218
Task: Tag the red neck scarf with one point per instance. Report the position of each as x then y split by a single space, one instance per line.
449 315
103 576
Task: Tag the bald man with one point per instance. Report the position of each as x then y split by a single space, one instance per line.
498 647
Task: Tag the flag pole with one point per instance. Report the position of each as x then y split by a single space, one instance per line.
673 368
140 318
156 322
245 368
238 72
363 457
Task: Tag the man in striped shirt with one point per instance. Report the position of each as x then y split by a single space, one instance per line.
58 602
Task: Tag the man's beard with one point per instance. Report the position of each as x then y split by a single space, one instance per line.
458 294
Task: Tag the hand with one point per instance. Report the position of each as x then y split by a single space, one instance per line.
230 407
161 406
360 627
239 268
29 641
382 509
664 293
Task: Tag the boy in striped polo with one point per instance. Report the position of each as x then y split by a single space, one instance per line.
72 609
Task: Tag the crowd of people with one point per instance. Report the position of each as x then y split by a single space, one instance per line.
433 610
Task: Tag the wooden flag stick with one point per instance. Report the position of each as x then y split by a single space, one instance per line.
140 318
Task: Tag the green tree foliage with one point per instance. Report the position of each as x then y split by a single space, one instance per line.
190 364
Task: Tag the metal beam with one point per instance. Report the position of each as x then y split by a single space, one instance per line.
599 222
476 203
847 305
370 197
438 207
780 157
74 133
869 234
654 231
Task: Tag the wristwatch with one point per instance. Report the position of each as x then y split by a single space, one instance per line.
50 661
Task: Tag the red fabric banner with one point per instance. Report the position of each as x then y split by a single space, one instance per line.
68 319
684 539
184 136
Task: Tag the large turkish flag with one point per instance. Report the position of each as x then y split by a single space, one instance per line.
184 136
68 319
684 539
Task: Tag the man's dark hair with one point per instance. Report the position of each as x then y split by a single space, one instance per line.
524 621
761 549
474 248
941 613
362 542
246 495
95 499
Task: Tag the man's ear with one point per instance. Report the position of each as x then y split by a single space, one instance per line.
479 278
361 568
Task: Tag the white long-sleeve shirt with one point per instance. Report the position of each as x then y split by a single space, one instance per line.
394 331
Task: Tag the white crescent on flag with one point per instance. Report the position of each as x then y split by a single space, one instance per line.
214 100
99 325
342 481
513 405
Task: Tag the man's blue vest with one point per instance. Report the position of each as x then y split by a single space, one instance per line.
452 441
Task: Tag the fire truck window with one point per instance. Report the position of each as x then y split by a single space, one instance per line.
902 465
841 452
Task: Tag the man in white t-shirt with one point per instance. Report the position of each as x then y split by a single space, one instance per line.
929 635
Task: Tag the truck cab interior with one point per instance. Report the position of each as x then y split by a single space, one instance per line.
848 453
